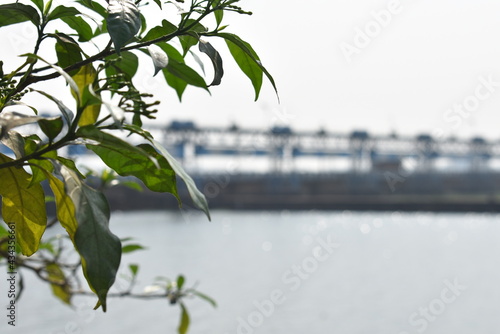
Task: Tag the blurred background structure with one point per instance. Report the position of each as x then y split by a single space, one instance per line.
280 168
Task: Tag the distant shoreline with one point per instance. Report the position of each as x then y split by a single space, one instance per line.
472 192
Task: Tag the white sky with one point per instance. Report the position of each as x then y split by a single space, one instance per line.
427 59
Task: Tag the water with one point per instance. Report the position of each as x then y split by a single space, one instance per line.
297 272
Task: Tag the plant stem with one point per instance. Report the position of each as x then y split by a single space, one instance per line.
29 79
55 146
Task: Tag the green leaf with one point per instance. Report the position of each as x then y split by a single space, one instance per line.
95 6
38 4
204 297
158 2
165 29
187 41
172 80
134 268
71 165
126 63
131 248
186 73
3 231
23 205
184 324
247 58
39 167
131 185
81 26
60 287
214 56
195 26
248 65
162 179
198 198
143 161
172 52
68 51
192 36
51 126
144 24
138 130
99 248
47 8
61 11
103 138
180 282
123 21
176 83
177 67
16 13
159 57
32 143
219 14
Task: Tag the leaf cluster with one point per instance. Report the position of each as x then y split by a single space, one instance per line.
97 55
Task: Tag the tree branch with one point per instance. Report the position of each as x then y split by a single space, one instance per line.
109 51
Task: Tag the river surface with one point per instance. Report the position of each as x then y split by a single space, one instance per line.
295 273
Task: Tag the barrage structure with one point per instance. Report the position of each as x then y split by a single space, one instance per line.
363 152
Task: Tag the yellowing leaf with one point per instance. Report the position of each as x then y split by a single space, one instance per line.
90 115
66 213
60 287
184 324
23 205
83 78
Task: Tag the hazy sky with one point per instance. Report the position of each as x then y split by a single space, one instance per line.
428 58
405 66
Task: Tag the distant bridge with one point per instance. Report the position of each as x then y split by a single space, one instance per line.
283 147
